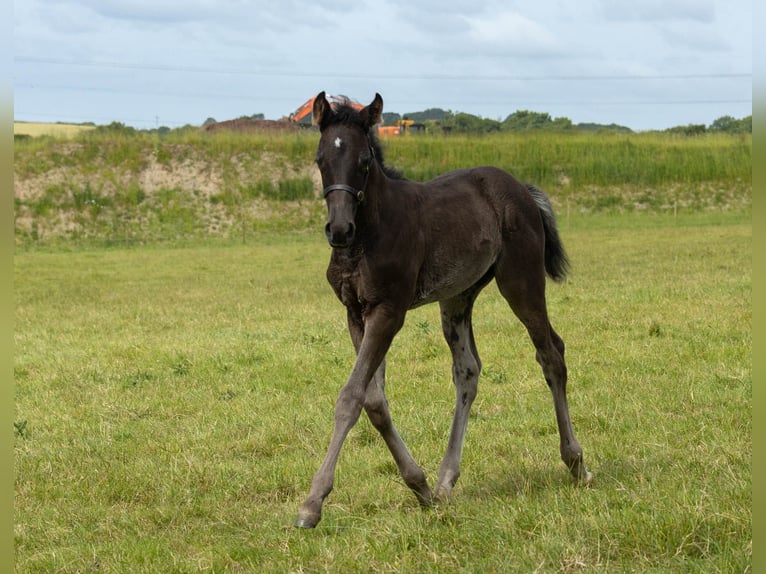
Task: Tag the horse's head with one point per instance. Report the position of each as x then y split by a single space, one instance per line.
345 157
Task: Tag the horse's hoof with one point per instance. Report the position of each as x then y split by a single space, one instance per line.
425 497
585 480
442 496
306 520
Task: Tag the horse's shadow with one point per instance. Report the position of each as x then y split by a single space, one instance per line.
530 482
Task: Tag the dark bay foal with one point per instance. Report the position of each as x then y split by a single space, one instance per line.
399 244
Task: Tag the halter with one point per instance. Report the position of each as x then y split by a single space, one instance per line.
358 194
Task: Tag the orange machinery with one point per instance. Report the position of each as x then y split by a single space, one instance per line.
305 109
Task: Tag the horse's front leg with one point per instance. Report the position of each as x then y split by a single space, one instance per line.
376 407
381 324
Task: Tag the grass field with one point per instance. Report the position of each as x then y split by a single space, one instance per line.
173 404
37 129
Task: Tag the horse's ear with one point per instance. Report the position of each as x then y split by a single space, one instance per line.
373 114
321 110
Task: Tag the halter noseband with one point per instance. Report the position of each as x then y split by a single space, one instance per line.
358 194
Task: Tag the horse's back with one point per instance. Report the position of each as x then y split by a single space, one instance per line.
467 218
486 193
490 182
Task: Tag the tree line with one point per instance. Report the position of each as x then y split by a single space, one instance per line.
437 119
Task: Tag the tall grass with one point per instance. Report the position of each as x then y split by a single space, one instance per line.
582 159
96 186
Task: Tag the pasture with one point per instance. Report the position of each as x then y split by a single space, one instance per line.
57 130
173 404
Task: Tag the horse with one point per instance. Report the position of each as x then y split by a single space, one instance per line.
399 244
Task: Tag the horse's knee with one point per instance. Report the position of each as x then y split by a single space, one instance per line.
376 406
558 342
349 403
378 414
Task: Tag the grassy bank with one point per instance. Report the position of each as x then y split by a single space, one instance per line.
577 160
113 187
172 405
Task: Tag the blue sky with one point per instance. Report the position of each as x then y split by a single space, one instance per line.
647 64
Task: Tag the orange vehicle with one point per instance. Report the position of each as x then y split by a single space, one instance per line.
302 115
387 131
303 112
402 128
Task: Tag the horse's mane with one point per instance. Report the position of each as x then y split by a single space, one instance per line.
346 114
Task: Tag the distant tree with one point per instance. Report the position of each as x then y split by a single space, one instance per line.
724 124
253 117
688 130
469 123
603 127
209 121
436 114
562 123
117 128
728 124
390 118
527 120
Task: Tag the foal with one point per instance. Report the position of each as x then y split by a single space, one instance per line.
398 244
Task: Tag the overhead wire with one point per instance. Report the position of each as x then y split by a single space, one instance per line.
200 94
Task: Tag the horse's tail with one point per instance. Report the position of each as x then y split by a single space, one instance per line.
556 260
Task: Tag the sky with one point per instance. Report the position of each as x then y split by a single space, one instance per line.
645 64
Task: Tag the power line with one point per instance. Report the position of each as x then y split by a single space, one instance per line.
374 76
504 102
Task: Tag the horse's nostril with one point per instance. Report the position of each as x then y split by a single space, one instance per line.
339 237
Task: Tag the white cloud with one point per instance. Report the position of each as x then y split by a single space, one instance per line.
512 30
185 60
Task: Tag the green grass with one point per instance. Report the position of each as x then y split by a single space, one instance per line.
105 188
582 159
173 404
546 158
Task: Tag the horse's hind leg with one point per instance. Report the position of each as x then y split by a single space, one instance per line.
456 324
526 296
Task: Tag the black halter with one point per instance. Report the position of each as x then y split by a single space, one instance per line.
357 193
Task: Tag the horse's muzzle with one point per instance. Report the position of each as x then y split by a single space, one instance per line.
340 236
